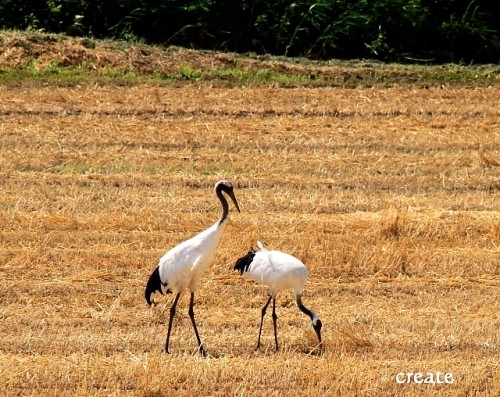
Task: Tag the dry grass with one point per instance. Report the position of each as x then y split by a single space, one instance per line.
58 58
389 195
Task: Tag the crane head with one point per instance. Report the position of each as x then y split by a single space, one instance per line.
317 325
227 187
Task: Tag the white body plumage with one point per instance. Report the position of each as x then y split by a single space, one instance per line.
183 266
278 271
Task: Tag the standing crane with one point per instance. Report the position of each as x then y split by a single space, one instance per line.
278 271
183 266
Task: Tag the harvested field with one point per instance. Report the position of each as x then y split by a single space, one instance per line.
390 195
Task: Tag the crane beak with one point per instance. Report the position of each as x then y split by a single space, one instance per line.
317 328
233 197
318 333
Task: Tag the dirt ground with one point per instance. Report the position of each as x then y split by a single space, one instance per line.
389 195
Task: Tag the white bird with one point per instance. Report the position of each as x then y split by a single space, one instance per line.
278 271
183 266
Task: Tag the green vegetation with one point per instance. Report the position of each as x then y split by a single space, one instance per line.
71 76
60 60
388 30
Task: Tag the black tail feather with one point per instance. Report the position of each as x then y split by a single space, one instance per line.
154 284
243 263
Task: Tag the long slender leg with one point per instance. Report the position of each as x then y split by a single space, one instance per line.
171 319
275 317
191 316
263 312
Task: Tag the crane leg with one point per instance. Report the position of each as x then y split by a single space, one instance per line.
171 319
275 317
191 316
263 312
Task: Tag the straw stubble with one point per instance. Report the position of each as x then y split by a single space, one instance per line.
389 195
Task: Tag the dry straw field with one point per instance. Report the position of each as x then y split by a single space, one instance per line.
389 194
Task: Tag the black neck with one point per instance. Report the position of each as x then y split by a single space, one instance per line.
224 203
302 308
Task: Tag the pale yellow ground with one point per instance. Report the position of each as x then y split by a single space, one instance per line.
389 195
